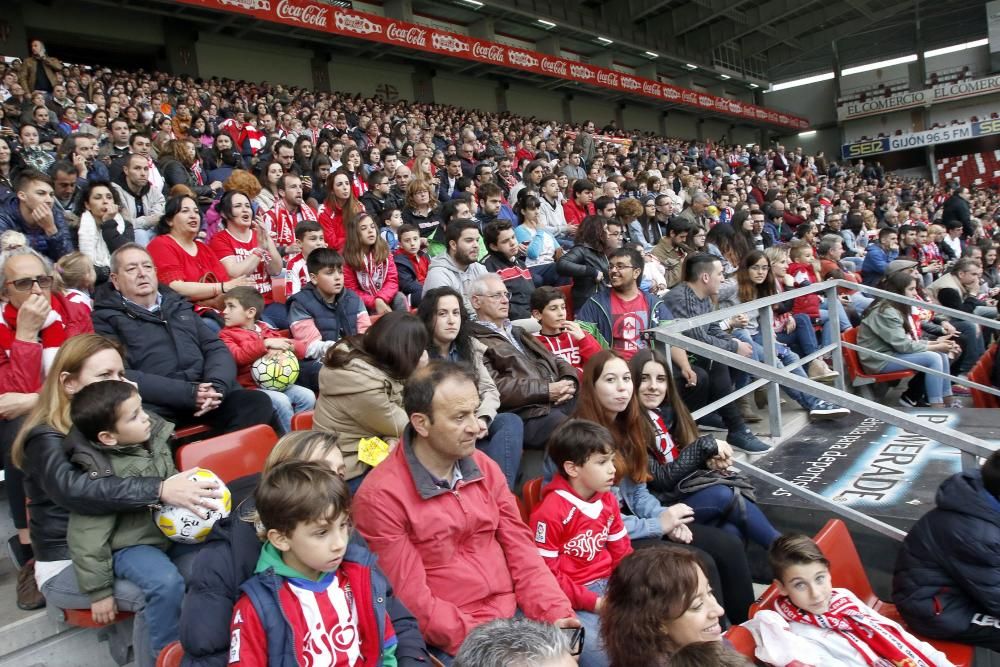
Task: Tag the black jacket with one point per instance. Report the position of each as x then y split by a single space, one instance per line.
956 208
168 353
175 173
517 279
947 569
226 560
582 263
407 276
53 484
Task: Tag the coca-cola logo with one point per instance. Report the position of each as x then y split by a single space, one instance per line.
358 24
413 35
607 78
581 72
654 89
706 101
313 15
735 107
761 114
671 93
783 119
554 66
448 43
689 98
492 52
521 59
630 84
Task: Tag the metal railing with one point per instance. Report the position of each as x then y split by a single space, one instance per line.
773 376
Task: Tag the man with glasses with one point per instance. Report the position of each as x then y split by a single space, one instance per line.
376 198
620 312
533 383
468 156
33 212
514 642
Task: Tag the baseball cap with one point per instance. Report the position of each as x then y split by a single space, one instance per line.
900 265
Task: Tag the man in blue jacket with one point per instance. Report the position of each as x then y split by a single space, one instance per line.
878 256
621 312
947 579
183 371
34 213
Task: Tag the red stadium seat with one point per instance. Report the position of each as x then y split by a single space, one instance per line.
742 641
302 421
982 373
532 494
82 618
171 655
859 377
189 433
232 455
847 571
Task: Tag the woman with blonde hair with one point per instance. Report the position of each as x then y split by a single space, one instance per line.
421 207
229 558
53 484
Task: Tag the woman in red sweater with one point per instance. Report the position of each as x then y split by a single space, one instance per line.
340 202
369 269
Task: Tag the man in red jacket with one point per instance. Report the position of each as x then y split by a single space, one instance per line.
444 525
582 203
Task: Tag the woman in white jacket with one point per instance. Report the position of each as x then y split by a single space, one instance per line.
102 228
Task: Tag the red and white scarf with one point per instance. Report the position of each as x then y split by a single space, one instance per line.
666 449
373 277
52 335
283 223
879 644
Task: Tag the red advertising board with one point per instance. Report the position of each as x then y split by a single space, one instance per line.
359 25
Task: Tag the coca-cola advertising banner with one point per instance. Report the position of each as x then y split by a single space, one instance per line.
337 21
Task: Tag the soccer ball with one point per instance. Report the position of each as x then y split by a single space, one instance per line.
276 372
182 525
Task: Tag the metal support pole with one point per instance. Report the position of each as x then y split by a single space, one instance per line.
765 320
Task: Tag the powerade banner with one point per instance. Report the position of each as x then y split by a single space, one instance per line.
360 25
945 92
871 466
902 142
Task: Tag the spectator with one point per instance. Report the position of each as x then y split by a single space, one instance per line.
878 255
457 268
508 642
563 337
582 204
677 608
184 372
619 311
501 433
361 386
141 204
248 339
308 237
420 208
288 211
53 484
959 289
586 262
369 270
540 245
956 209
533 383
111 430
503 261
412 264
693 297
945 581
177 161
40 71
102 228
269 620
451 583
340 204
32 213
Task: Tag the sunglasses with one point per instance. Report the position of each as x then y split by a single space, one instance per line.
25 284
576 637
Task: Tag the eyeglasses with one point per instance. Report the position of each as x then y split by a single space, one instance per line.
576 638
498 296
621 267
25 284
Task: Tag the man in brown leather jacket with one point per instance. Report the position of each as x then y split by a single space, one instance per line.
533 383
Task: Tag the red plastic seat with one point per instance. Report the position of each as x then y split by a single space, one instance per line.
531 493
171 655
302 421
847 571
189 433
232 455
278 292
742 641
982 373
859 376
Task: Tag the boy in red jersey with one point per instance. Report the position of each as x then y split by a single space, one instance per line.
578 527
563 338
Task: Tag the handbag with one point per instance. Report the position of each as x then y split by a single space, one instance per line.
743 491
217 302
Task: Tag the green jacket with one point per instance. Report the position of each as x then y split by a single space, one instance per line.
882 331
93 538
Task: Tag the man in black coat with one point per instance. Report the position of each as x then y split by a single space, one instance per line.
184 372
956 207
947 579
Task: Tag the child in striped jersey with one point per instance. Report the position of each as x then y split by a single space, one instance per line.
563 337
308 236
315 599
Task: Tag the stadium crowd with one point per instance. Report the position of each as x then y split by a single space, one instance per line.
460 285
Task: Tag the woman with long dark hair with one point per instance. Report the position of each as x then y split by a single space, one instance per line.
361 385
586 262
501 434
607 397
340 204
